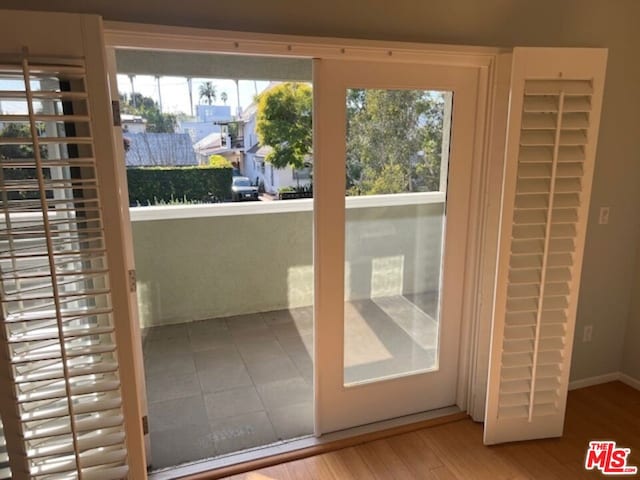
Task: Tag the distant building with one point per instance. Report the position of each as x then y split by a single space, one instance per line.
133 123
258 169
159 149
213 113
219 143
273 179
206 122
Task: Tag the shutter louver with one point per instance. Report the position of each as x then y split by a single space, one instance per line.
65 420
554 121
5 471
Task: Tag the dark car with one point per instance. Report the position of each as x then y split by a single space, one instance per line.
241 189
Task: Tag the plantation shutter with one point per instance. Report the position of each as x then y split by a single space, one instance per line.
554 114
61 404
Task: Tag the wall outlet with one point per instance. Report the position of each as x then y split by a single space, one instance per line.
603 219
586 334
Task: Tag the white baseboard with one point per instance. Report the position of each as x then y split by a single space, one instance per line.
608 377
590 381
628 380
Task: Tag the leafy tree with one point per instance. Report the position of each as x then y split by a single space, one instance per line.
224 97
208 92
16 130
218 161
394 141
20 130
17 151
284 123
147 108
158 122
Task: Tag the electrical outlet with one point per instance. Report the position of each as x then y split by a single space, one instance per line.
604 216
586 334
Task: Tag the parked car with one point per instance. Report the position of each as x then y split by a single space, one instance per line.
241 189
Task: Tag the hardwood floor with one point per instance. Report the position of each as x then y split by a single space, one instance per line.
455 450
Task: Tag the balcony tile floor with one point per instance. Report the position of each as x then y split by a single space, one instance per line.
223 385
228 384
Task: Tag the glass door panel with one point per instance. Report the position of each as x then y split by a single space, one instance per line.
397 153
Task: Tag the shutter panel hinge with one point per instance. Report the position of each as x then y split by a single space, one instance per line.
145 425
115 109
132 281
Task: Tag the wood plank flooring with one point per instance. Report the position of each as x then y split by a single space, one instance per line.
455 451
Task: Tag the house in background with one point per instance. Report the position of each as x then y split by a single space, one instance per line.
258 169
220 143
133 123
208 118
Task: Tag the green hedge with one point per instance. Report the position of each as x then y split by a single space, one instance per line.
154 185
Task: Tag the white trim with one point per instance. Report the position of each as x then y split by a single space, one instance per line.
395 200
597 380
127 256
606 378
629 380
483 254
175 212
160 37
336 406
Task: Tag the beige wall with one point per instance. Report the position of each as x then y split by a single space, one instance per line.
198 268
608 269
631 358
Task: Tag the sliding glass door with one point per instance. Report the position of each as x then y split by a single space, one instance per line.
393 150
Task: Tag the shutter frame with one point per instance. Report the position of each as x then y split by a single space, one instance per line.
56 38
567 72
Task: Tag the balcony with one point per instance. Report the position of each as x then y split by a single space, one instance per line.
225 299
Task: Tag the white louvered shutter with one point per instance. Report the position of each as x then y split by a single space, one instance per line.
5 471
61 399
555 102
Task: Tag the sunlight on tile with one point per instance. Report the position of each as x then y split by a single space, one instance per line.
422 328
362 345
300 286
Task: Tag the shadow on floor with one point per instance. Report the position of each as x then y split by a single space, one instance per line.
228 384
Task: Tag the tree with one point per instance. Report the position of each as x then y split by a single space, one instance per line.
218 161
16 130
22 151
394 140
147 108
284 123
208 91
224 97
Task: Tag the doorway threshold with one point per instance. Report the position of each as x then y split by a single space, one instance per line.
298 448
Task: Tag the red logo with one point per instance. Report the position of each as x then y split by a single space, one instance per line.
609 459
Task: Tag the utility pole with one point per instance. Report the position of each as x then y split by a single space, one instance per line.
190 87
133 91
238 96
159 93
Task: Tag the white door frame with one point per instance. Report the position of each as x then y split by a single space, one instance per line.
493 69
338 406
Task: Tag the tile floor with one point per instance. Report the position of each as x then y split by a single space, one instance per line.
228 384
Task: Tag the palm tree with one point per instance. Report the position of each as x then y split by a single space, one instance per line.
224 97
208 91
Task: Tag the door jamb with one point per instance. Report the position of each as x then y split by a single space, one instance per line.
493 66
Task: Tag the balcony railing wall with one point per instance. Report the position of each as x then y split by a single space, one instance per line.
224 265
